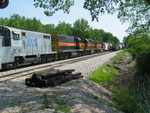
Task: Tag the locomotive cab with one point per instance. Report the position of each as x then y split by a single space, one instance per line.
5 37
5 46
10 44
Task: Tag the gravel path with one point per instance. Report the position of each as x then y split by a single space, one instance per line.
80 96
87 67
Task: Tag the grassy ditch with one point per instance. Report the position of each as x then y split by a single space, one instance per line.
126 98
104 75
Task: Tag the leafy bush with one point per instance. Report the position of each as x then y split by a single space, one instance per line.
140 49
143 58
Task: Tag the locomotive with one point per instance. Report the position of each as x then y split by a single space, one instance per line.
22 46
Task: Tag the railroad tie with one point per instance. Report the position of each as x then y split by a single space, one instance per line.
52 78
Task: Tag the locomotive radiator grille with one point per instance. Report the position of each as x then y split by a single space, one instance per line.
55 42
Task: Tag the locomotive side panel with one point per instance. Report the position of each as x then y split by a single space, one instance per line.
67 43
36 43
89 46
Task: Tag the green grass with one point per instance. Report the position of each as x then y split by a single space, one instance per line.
118 58
46 102
61 101
64 108
104 74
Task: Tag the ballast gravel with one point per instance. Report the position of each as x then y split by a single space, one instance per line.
87 67
79 96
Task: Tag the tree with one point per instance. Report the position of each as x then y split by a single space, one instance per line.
4 21
14 21
36 25
51 6
49 28
108 37
96 34
137 12
81 28
64 28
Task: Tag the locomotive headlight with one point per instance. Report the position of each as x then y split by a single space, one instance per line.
3 3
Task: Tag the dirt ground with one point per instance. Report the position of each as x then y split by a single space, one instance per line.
82 96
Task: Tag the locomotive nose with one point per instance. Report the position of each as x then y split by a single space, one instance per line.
4 3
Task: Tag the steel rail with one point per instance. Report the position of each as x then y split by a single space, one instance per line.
16 73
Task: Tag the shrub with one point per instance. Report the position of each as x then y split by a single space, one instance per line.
143 59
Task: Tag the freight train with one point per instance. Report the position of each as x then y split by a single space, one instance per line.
21 46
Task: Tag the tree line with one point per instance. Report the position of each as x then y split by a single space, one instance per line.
138 44
80 28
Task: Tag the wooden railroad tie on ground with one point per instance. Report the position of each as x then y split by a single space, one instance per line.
52 78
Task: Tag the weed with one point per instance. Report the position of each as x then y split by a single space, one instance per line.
78 81
26 107
61 102
46 102
95 97
29 106
14 106
64 108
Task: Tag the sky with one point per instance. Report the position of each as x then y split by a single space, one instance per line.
107 22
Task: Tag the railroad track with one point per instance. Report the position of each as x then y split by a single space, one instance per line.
27 71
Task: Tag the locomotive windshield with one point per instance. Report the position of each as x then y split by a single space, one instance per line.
15 36
5 33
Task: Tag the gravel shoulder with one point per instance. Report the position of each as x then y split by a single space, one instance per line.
82 96
87 67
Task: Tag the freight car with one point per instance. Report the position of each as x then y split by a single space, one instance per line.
116 47
21 46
